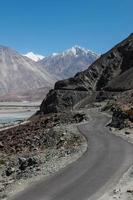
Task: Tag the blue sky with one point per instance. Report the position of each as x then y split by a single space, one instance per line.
47 26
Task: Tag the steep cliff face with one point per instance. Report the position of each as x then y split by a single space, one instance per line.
113 71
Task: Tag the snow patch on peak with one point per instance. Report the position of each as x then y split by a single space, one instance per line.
77 50
34 57
55 54
73 51
84 50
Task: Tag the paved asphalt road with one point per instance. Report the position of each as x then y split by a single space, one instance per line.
106 159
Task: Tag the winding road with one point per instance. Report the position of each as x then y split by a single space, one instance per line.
101 166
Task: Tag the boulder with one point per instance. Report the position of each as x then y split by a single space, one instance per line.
27 162
10 170
118 118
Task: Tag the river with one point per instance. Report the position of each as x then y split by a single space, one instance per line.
15 112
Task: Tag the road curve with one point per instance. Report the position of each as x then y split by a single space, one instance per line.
106 159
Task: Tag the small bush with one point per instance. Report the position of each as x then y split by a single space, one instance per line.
108 106
2 162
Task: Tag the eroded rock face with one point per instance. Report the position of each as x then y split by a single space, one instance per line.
59 100
113 71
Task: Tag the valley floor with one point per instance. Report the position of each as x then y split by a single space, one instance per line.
53 159
15 112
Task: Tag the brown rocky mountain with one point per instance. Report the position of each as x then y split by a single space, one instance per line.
112 72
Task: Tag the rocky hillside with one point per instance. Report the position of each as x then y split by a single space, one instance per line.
112 72
19 74
68 63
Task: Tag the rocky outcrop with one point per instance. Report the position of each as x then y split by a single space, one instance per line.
113 72
118 119
59 100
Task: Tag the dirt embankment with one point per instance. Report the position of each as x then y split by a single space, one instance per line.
38 148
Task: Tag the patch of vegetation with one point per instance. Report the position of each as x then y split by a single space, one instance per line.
109 106
2 162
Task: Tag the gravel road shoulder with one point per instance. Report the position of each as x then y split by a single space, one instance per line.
52 160
123 190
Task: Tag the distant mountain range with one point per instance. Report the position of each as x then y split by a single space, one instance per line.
30 76
69 62
19 74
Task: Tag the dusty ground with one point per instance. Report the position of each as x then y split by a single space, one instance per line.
49 160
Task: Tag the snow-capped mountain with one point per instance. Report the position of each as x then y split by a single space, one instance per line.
19 74
34 57
77 51
69 62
